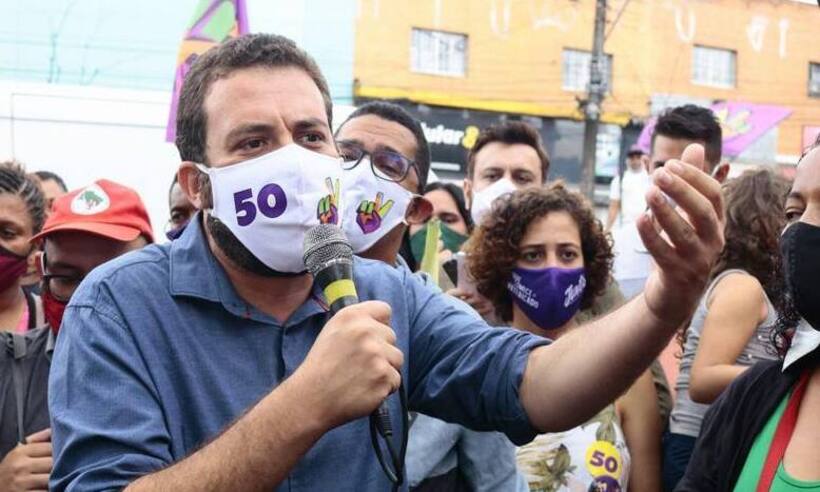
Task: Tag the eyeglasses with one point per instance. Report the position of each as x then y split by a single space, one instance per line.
386 164
61 287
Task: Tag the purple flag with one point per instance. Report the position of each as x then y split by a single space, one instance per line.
213 22
742 124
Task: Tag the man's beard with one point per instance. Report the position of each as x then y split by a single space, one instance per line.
232 247
237 253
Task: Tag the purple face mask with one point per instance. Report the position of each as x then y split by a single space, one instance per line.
550 296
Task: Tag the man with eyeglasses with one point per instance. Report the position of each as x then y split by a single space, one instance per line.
386 161
86 228
386 153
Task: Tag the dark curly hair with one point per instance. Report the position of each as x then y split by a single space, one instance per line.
494 248
755 217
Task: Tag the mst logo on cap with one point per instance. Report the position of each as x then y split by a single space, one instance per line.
104 208
90 201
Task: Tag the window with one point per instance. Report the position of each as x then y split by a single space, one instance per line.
438 53
575 70
814 79
714 67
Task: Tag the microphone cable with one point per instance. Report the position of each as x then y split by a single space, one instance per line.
329 258
380 426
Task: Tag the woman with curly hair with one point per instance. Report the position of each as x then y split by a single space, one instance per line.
731 327
540 256
762 433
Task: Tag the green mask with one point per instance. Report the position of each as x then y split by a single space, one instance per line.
451 239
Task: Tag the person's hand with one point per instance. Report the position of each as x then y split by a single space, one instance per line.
689 240
28 466
476 301
353 366
444 254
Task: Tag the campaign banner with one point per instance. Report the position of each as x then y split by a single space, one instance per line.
213 21
742 124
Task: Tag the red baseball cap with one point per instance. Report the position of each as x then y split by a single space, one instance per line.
104 208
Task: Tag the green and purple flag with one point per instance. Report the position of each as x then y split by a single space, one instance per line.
214 21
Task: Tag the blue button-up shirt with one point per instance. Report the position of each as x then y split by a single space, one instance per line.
157 354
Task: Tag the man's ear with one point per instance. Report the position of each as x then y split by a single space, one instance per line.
419 211
721 172
191 183
468 192
38 262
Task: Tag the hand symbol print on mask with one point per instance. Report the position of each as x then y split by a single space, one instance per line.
370 213
328 210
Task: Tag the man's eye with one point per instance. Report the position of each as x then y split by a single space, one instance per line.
253 144
313 138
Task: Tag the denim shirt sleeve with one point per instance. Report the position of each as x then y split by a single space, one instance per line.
102 447
462 370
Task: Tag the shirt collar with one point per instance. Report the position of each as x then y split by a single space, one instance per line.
193 268
195 272
805 341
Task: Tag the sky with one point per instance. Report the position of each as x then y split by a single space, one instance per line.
133 43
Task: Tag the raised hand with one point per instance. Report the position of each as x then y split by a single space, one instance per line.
370 214
690 238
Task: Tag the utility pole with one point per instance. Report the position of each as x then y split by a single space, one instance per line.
592 105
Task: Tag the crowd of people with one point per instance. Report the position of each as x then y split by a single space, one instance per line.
524 331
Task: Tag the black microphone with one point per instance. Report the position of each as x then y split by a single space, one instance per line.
328 257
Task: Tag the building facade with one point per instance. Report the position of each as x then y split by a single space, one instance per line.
460 64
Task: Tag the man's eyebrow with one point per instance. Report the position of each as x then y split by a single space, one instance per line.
796 195
349 141
308 123
388 148
248 129
59 265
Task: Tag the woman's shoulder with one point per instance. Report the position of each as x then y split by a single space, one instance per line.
736 284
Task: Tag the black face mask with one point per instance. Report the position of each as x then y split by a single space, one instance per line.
800 245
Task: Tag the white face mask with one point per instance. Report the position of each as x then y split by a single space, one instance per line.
373 206
483 200
271 201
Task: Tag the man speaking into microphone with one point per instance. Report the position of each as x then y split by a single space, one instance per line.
211 363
